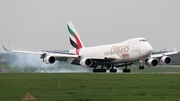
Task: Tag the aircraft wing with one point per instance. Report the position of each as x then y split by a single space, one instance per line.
64 56
164 54
44 53
59 51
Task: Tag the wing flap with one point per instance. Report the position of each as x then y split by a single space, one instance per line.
63 55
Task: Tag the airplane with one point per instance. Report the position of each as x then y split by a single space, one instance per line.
105 57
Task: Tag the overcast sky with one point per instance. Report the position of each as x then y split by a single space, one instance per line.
41 24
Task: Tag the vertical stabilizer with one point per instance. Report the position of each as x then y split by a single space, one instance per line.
74 38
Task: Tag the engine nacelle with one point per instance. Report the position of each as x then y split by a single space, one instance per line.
49 59
86 62
165 60
152 62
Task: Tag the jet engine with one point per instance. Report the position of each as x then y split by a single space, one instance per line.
152 62
49 59
165 60
88 63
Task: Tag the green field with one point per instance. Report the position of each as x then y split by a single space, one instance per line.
155 70
90 87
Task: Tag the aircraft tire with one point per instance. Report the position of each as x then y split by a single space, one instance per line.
141 67
103 70
126 70
99 70
113 70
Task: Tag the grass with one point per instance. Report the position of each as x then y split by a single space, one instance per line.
155 70
72 68
90 87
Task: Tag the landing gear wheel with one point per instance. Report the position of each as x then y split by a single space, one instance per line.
113 70
99 70
126 70
141 67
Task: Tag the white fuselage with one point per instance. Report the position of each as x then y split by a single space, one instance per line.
126 51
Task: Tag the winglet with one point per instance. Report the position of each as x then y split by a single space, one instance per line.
5 48
174 49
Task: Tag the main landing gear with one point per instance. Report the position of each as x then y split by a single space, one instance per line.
112 70
99 70
126 70
102 70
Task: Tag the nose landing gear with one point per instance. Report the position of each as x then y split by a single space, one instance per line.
141 66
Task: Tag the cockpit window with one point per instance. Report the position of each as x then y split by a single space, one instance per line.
142 40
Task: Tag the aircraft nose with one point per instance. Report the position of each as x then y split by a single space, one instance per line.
146 49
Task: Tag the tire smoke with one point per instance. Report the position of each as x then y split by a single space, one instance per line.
32 63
